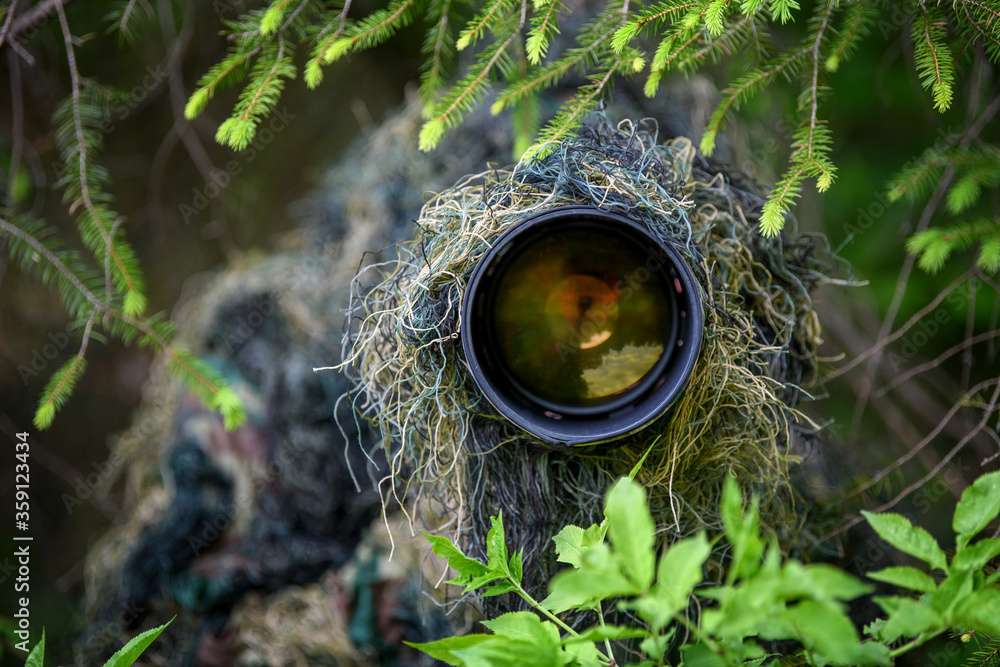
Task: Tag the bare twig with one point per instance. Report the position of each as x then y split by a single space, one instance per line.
951 351
81 141
884 339
36 16
987 412
11 10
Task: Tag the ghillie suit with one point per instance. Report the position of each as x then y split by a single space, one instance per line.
736 417
268 544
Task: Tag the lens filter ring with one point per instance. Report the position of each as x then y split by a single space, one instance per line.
580 326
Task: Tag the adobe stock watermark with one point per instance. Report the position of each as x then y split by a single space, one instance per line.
47 353
868 215
924 331
102 474
220 179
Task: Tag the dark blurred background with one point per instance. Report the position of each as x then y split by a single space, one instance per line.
880 117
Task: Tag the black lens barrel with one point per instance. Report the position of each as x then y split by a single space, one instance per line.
580 326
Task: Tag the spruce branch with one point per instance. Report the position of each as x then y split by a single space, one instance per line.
587 54
464 95
491 14
933 58
743 89
125 270
193 372
439 47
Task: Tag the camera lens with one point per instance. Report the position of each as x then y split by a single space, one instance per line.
580 326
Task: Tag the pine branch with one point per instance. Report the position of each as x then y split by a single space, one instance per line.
267 81
371 31
543 28
439 47
856 26
934 246
464 95
206 383
743 89
125 271
651 19
573 112
588 53
934 61
491 14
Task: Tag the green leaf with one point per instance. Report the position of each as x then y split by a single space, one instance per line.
699 655
631 530
980 612
907 618
496 545
36 658
466 567
443 649
980 504
900 533
829 582
976 556
525 626
956 587
599 633
679 572
825 629
585 654
742 531
905 577
131 651
571 541
600 577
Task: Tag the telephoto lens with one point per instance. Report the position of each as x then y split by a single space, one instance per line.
580 326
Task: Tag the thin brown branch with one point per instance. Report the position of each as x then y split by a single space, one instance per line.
877 477
11 10
988 411
955 349
78 124
814 86
36 16
884 339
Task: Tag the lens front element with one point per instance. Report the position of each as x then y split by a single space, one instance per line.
578 318
580 326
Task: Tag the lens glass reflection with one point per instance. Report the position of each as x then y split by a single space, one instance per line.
580 315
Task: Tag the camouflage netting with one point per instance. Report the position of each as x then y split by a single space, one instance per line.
736 417
268 544
260 543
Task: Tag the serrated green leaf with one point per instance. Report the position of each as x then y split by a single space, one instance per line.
36 658
980 612
585 655
907 618
826 630
976 556
631 530
829 582
600 577
598 633
905 577
956 587
680 570
466 567
914 540
496 545
979 504
571 541
444 649
699 655
132 650
526 626
742 531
